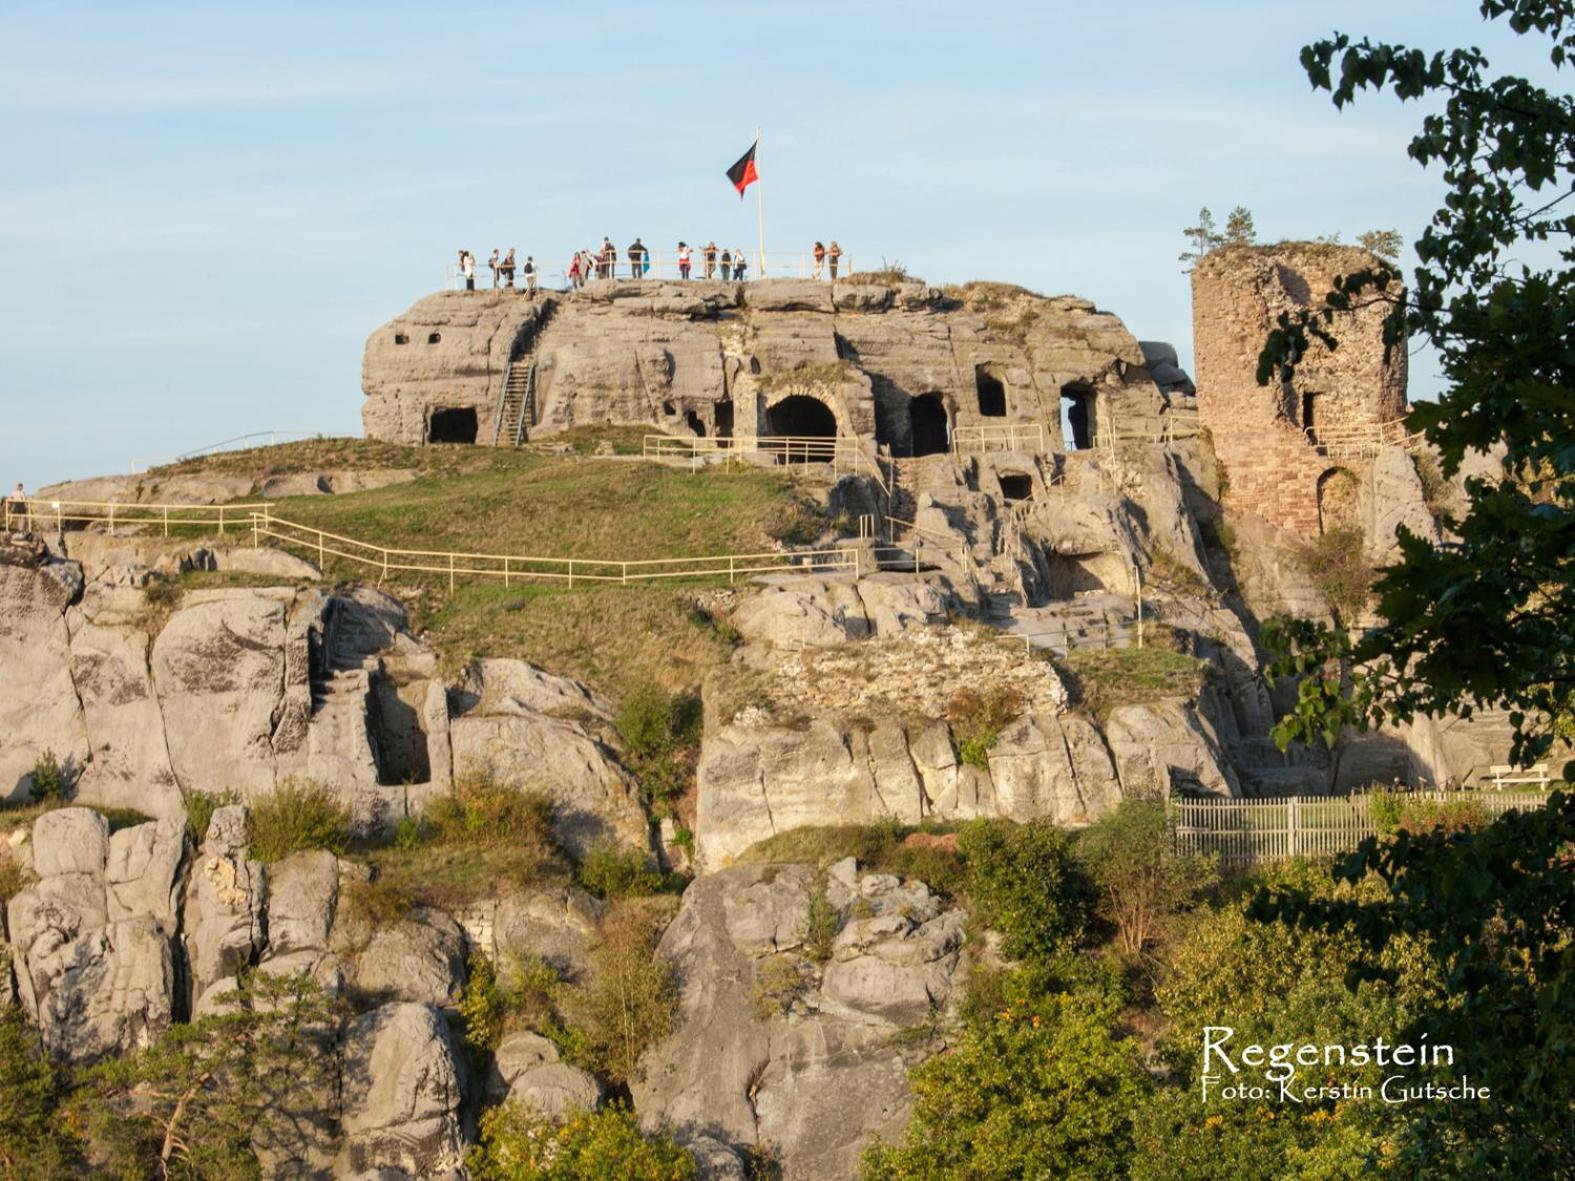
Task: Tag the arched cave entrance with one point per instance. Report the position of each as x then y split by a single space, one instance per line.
928 415
803 417
992 393
692 421
1339 494
452 425
1016 486
1077 415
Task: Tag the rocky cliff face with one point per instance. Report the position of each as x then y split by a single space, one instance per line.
771 1046
247 689
896 364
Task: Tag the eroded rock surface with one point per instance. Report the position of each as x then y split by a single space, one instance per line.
91 941
769 1045
402 1094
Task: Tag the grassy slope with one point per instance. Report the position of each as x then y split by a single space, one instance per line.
501 501
563 507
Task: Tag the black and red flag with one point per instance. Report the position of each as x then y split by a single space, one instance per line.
743 173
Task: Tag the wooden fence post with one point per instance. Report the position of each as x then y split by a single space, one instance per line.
1293 831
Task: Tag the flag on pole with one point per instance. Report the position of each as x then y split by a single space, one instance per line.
743 173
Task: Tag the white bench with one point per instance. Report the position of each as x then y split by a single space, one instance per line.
1503 774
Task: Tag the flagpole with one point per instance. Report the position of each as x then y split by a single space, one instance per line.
760 198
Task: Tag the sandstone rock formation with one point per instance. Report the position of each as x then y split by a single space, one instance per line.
769 1045
402 1095
529 1072
92 940
897 364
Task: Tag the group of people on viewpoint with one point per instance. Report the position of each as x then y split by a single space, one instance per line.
503 267
728 265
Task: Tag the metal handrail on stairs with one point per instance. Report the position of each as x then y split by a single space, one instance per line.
503 402
527 405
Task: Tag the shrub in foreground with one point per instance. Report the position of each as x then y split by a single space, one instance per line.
606 1145
1042 1087
297 816
1025 882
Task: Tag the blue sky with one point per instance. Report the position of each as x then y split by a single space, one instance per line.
205 209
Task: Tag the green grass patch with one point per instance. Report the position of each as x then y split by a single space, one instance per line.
481 838
315 455
614 638
556 506
1101 680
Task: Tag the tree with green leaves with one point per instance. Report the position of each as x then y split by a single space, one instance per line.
1141 881
1239 229
1494 910
607 1145
1487 621
1041 1087
1386 244
36 1142
205 1101
1201 238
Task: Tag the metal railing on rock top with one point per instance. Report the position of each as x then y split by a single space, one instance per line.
1006 436
658 264
31 514
511 568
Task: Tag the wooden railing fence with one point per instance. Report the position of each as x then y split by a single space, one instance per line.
32 515
521 568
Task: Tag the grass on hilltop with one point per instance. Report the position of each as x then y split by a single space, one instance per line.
521 502
551 506
611 637
343 453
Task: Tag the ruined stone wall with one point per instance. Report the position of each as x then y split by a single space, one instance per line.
1260 433
900 365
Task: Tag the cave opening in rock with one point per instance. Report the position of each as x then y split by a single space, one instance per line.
452 425
992 393
1016 486
724 420
692 421
1077 409
802 417
928 415
399 743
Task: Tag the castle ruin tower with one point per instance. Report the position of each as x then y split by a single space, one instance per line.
1289 449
